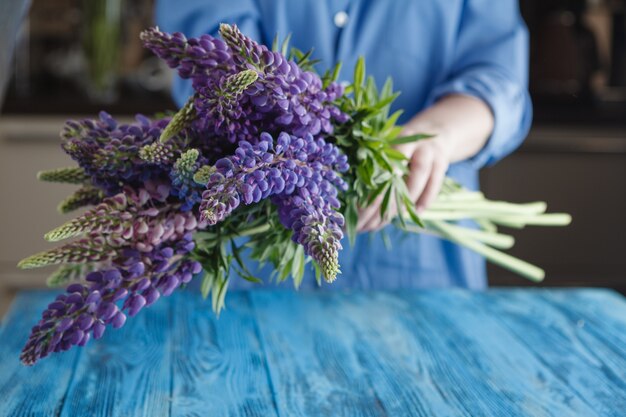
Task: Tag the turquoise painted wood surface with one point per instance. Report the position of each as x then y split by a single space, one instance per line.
277 353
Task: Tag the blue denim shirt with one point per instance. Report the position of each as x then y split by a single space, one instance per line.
430 48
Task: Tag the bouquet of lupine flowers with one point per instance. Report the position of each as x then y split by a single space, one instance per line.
265 149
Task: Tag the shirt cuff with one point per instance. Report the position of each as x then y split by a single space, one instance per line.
509 103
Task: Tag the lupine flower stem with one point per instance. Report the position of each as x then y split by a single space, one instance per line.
516 265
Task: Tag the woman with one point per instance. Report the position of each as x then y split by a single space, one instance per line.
461 66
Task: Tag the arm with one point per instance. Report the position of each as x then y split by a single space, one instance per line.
463 125
481 113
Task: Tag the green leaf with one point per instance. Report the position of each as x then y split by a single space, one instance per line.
297 266
207 284
352 218
284 267
399 207
410 209
359 72
219 293
382 187
365 171
67 273
335 73
387 90
318 273
285 45
395 154
391 121
409 139
243 271
384 206
385 102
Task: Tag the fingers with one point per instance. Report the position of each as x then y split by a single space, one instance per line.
420 164
427 170
370 219
376 222
433 187
368 215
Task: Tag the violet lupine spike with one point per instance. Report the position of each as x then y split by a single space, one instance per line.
157 153
106 215
69 175
256 172
220 108
234 85
84 312
184 187
285 97
196 58
95 248
109 151
130 219
203 174
246 52
181 120
316 226
85 196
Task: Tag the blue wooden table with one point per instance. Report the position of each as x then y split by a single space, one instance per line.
414 353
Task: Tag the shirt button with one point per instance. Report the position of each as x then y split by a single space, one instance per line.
341 19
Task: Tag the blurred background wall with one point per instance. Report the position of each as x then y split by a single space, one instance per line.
72 58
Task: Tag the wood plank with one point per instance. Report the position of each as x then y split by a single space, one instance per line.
481 365
37 390
579 335
128 371
336 354
427 353
218 363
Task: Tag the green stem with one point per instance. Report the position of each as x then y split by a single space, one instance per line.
494 239
253 230
490 207
509 262
245 232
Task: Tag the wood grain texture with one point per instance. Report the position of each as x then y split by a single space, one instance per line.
30 391
481 366
412 353
127 372
218 363
578 335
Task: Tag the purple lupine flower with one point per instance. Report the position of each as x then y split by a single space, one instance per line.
201 59
126 219
316 226
258 171
109 152
282 97
135 280
285 98
184 187
93 248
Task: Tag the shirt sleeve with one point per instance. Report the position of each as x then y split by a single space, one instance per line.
198 17
491 63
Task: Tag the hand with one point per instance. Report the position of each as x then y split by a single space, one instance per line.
428 162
